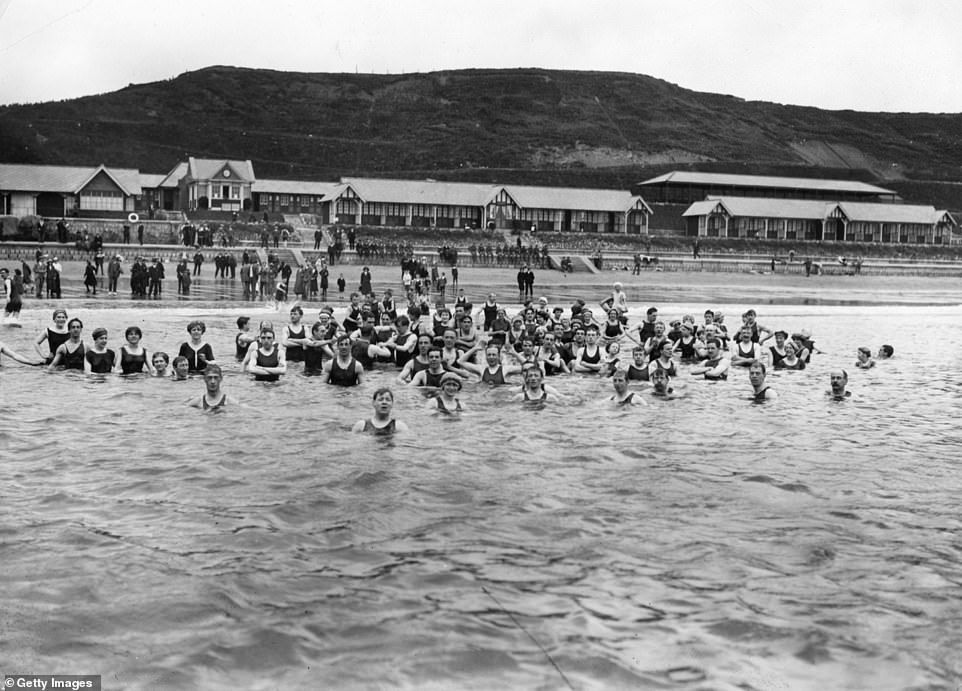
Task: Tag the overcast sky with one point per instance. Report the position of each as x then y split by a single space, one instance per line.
889 55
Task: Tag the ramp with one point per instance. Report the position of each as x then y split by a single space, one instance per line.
579 262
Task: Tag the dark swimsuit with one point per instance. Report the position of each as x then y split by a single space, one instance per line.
270 360
193 356
445 411
295 351
100 363
494 378
131 364
74 359
385 431
343 376
217 406
55 339
760 396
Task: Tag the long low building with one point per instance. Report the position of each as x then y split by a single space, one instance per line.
687 186
793 219
27 189
428 203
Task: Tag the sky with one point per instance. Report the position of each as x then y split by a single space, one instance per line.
869 55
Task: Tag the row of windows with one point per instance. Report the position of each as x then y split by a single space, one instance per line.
102 200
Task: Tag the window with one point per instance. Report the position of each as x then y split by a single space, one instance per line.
102 200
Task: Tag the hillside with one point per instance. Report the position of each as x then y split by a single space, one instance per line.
525 125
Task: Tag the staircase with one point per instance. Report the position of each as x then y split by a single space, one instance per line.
291 255
578 262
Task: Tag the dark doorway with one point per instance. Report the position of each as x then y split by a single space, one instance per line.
50 204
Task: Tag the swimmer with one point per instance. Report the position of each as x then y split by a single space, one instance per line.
589 358
266 362
161 361
864 358
199 354
612 360
839 381
14 355
181 369
133 356
789 359
617 301
745 351
13 289
99 359
54 336
70 354
638 369
295 337
661 384
492 372
535 390
756 375
243 339
622 396
383 422
343 369
715 366
435 370
213 399
778 350
885 352
447 402
664 360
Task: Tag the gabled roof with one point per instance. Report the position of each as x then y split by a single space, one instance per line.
765 207
890 213
128 180
151 180
20 177
420 191
757 207
573 198
210 168
684 177
324 189
480 194
176 174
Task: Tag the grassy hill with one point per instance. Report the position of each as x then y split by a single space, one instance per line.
595 129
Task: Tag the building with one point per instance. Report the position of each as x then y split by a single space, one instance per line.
685 187
432 204
795 219
57 191
291 196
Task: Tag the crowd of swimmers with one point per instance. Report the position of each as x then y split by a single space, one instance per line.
442 350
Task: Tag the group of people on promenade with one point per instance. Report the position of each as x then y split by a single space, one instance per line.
441 350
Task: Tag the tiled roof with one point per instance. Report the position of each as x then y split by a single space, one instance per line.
208 168
295 187
175 175
742 207
420 191
479 194
151 180
725 179
765 207
17 177
574 198
890 213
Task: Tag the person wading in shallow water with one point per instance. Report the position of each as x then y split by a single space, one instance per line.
214 399
382 423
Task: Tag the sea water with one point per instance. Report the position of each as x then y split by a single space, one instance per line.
705 542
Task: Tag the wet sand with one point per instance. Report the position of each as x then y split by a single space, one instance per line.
650 287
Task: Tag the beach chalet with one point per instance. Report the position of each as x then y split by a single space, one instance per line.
795 219
685 187
428 203
291 196
27 189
